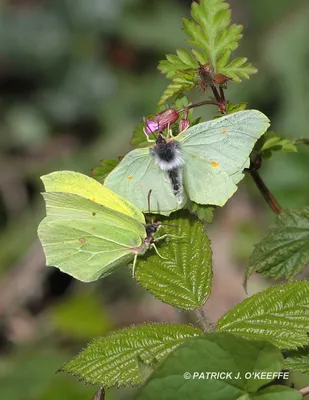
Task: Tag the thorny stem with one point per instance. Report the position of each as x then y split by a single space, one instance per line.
304 391
202 318
268 196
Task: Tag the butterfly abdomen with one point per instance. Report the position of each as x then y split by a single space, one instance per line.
175 176
168 158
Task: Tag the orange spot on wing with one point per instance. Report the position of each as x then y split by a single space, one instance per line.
82 240
224 131
129 177
93 199
214 164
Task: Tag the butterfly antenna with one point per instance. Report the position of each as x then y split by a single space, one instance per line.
134 265
149 195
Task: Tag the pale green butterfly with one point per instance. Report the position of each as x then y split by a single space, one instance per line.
203 163
89 230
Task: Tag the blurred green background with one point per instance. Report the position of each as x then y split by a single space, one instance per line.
76 76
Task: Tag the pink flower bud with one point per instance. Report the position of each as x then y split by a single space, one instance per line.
183 124
151 126
161 121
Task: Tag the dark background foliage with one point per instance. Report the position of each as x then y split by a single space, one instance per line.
75 78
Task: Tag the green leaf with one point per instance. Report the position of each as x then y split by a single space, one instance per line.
139 138
211 31
298 360
278 315
203 212
285 250
213 39
183 279
114 360
183 82
100 173
275 142
232 108
277 393
215 353
237 69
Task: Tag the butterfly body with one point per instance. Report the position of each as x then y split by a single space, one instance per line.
167 154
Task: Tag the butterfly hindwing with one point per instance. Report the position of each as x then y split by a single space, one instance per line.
136 175
206 183
85 239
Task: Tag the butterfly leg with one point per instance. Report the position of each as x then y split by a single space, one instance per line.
156 250
168 235
161 237
134 265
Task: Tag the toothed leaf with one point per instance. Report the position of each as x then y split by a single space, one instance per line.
279 315
184 278
219 366
213 39
284 252
114 360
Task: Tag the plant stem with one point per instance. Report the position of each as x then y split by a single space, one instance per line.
304 391
268 196
302 141
220 98
202 317
201 103
222 94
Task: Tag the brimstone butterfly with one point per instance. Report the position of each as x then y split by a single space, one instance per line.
203 163
89 230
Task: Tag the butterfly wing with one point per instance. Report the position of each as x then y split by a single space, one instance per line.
205 183
136 175
85 239
216 152
74 182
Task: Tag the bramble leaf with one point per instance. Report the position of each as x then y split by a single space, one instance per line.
298 360
278 315
100 173
213 39
185 374
114 360
183 279
284 252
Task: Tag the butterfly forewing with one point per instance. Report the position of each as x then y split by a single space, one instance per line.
85 239
226 141
74 182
